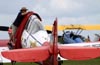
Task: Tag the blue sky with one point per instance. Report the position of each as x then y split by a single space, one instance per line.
67 11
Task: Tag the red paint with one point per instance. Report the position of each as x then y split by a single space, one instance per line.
3 42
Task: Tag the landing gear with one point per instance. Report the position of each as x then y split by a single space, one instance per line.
13 62
60 61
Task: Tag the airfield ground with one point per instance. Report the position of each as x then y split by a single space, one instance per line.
85 62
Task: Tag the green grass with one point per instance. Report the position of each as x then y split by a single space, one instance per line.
85 62
21 63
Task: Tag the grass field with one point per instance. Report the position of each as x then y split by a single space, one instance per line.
85 62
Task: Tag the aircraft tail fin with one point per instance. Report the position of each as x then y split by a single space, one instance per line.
55 40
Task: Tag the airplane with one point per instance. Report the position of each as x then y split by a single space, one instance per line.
44 48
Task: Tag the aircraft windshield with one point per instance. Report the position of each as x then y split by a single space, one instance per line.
34 25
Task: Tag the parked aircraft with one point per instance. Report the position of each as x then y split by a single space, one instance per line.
44 49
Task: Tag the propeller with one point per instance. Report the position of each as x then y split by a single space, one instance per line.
4 28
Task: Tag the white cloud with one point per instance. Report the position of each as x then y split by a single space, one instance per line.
7 20
79 20
67 11
71 10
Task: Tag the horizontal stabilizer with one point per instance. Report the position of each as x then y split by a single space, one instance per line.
79 53
27 55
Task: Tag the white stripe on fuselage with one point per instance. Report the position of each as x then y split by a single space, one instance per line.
85 44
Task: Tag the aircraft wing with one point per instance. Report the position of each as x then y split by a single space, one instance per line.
78 53
28 55
66 27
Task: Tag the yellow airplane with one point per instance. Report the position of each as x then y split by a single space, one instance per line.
84 27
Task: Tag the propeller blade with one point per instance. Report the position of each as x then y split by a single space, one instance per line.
4 28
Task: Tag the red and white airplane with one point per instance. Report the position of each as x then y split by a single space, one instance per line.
44 48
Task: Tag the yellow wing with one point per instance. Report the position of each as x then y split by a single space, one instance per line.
85 27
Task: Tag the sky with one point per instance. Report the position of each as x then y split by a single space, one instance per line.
67 11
